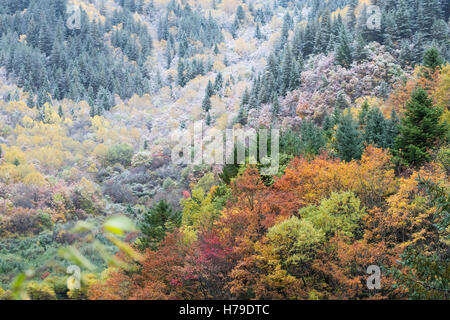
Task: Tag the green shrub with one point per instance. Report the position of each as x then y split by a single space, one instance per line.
120 153
40 291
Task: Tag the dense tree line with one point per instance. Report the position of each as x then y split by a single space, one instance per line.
407 29
47 58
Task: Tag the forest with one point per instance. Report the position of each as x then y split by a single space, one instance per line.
96 94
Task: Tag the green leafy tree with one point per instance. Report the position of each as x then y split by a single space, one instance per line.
120 153
296 241
341 213
427 276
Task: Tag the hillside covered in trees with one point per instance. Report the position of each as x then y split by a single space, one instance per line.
97 94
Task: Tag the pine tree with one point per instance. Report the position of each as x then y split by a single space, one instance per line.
285 31
206 104
240 13
60 112
348 142
235 27
432 59
391 130
286 70
403 19
105 100
312 138
245 97
30 100
374 132
209 89
327 123
336 116
45 40
426 18
155 223
92 112
341 101
344 51
390 27
275 106
181 79
363 113
351 18
218 83
258 34
163 28
420 129
324 34
360 49
296 74
242 116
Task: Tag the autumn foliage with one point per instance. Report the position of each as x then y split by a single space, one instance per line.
310 235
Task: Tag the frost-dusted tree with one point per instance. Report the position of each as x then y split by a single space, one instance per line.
344 56
403 19
245 97
240 13
348 142
287 25
120 153
341 102
105 100
242 115
324 35
286 70
181 78
235 27
218 83
209 89
420 129
206 104
258 33
30 100
350 16
275 106
360 53
163 28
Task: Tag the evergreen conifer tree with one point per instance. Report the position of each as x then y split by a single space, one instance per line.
155 223
348 142
420 129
